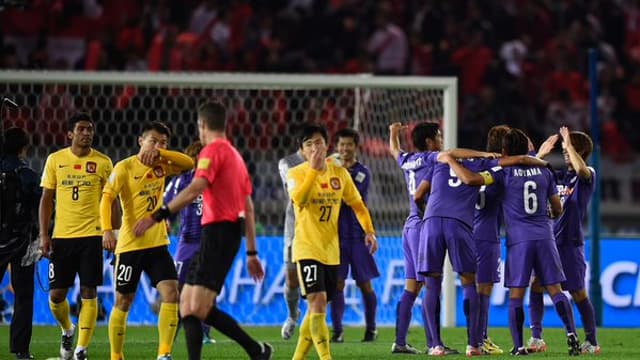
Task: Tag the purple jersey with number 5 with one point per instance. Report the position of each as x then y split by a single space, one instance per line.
450 197
526 193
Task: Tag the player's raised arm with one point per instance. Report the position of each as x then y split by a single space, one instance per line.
462 153
465 175
394 139
576 160
179 161
524 160
547 146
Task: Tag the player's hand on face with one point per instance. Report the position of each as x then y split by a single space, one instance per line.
254 266
371 242
149 157
109 240
318 155
46 246
547 145
143 225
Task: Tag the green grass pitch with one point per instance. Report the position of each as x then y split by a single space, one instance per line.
141 343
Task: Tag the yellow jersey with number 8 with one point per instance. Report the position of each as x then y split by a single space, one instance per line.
78 183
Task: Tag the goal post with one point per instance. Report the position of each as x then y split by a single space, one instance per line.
264 110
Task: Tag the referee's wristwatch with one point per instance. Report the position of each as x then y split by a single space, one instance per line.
252 252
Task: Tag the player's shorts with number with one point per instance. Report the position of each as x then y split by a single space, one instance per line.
317 277
82 256
156 262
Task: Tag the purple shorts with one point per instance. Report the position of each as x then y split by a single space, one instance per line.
574 266
488 261
410 247
354 254
184 254
440 235
540 256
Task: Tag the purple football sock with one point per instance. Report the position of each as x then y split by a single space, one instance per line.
429 304
337 311
565 311
588 316
370 305
536 311
516 319
484 314
404 316
471 307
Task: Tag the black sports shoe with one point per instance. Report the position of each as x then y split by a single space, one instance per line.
267 352
370 335
519 351
81 355
66 345
337 337
450 351
574 345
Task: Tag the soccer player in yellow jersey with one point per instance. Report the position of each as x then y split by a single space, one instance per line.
139 181
317 188
74 176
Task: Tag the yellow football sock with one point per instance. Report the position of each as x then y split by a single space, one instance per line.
320 335
117 330
61 314
87 321
305 342
167 327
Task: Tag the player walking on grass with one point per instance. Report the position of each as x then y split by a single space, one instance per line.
190 229
530 242
74 177
354 253
576 185
317 188
292 289
139 181
221 177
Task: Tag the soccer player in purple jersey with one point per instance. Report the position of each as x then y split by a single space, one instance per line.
447 226
530 242
425 137
354 253
486 237
190 230
576 185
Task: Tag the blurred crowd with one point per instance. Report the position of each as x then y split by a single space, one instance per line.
522 62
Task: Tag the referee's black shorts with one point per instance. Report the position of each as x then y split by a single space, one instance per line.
218 247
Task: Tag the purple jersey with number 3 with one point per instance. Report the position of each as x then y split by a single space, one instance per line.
190 228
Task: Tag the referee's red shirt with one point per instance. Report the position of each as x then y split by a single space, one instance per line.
226 173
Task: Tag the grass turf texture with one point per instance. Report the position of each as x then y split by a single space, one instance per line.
141 343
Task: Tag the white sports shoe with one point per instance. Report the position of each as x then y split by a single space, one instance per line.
536 345
289 327
66 345
436 351
588 348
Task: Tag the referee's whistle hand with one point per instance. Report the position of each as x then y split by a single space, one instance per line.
254 266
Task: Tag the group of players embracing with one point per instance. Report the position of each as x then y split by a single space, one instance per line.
460 198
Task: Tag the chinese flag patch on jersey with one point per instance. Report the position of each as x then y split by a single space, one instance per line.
77 167
91 167
324 185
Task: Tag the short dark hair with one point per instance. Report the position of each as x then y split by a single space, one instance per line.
423 131
582 143
193 149
348 133
15 139
494 138
307 131
515 142
158 126
76 118
214 115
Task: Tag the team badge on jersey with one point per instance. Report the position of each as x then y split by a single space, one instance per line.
91 167
335 183
158 171
360 176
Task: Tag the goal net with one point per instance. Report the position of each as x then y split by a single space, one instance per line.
264 112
